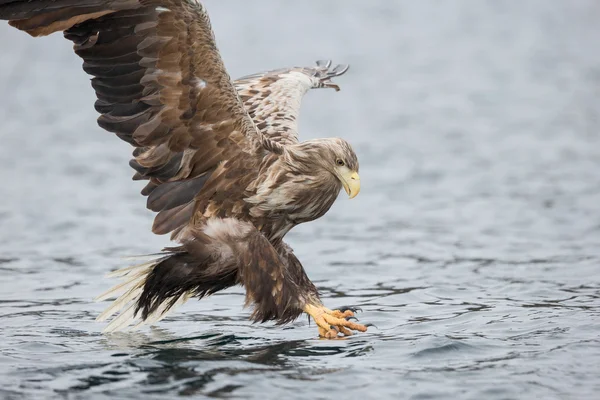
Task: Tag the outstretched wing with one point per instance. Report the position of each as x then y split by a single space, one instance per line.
273 98
161 86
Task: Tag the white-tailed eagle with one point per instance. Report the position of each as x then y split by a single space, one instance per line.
225 171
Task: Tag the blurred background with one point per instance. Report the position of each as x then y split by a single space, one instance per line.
473 246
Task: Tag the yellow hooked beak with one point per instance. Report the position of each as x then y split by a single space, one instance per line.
351 183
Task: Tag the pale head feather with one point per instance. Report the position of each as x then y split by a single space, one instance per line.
318 154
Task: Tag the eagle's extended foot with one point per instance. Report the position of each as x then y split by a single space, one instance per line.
332 323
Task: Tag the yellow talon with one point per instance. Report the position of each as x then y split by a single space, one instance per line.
331 323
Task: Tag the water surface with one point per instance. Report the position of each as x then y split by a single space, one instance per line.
474 246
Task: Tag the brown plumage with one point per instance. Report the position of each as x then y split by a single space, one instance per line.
226 173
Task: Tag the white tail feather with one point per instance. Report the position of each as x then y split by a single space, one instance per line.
134 277
120 303
162 312
123 320
125 271
142 256
112 292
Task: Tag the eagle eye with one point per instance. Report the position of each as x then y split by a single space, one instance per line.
340 162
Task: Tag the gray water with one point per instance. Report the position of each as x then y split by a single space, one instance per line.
473 246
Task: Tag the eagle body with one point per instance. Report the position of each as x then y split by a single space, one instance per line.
223 166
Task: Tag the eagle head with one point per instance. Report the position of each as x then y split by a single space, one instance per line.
345 165
332 156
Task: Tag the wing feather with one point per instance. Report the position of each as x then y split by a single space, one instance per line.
273 98
161 86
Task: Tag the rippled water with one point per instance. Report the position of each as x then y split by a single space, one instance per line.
473 247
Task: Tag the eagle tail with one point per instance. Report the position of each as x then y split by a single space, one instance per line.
150 291
130 289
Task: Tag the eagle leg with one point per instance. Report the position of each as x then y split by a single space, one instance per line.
332 323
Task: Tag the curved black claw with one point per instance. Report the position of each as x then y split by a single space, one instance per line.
334 328
373 325
351 319
350 308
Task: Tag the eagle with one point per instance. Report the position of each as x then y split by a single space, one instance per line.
223 166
